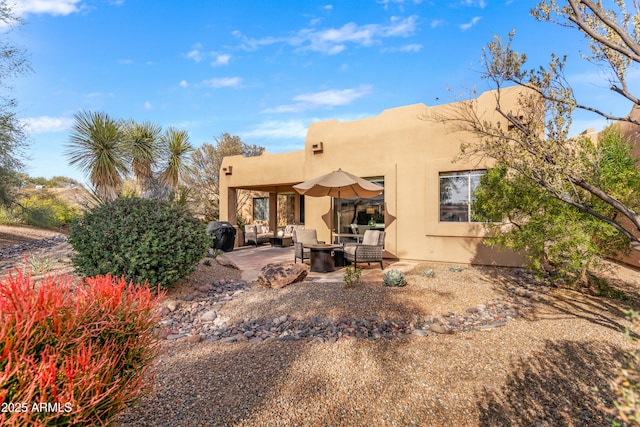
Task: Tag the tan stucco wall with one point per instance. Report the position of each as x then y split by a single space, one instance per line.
406 146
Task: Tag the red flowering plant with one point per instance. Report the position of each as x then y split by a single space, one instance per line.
73 353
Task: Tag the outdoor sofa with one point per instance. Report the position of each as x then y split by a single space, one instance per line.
255 234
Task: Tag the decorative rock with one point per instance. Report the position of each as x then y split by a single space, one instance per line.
199 320
175 336
204 289
188 298
220 321
438 329
240 338
277 276
193 338
225 261
209 316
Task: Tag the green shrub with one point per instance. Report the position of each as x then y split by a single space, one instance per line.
42 209
142 240
394 278
83 350
351 276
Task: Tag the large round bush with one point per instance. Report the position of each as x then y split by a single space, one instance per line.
144 240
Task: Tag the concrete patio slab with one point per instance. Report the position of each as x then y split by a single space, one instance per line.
251 259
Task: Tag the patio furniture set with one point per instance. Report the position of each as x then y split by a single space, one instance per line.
325 257
322 257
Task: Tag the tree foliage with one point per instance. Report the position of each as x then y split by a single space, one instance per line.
536 143
554 235
13 63
110 150
204 178
97 147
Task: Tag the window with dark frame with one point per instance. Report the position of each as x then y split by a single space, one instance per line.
260 208
456 195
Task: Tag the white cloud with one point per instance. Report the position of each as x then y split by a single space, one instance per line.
326 98
468 25
183 83
44 124
332 41
125 61
276 129
195 53
50 7
221 60
99 95
436 23
474 3
148 105
334 96
223 82
413 48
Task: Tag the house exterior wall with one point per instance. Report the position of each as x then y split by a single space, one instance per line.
409 149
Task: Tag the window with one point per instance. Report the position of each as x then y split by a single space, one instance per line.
360 211
260 208
456 195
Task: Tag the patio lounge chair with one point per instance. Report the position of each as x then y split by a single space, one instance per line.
370 250
303 238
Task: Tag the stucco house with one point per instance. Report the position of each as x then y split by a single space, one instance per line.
425 207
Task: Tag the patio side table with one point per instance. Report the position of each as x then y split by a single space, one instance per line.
281 242
320 258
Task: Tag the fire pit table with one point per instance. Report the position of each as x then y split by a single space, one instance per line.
321 257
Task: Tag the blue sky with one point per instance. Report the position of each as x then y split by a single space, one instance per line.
263 70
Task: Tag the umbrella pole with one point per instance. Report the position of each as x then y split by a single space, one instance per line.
339 217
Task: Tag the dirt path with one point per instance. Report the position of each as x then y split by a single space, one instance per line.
10 235
46 250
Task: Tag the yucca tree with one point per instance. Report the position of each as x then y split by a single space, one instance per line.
97 146
177 150
143 143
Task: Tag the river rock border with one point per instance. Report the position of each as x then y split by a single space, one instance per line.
18 249
196 319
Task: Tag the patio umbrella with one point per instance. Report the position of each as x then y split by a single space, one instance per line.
339 184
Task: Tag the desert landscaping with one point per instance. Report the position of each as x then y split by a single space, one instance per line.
482 346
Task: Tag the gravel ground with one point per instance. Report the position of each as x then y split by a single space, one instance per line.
552 367
45 250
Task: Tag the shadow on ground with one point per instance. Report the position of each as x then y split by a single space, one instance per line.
559 302
354 383
565 385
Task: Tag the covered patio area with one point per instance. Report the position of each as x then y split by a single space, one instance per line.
251 259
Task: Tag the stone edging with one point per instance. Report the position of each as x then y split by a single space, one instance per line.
200 320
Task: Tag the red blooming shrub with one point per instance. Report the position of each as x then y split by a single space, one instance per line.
73 354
